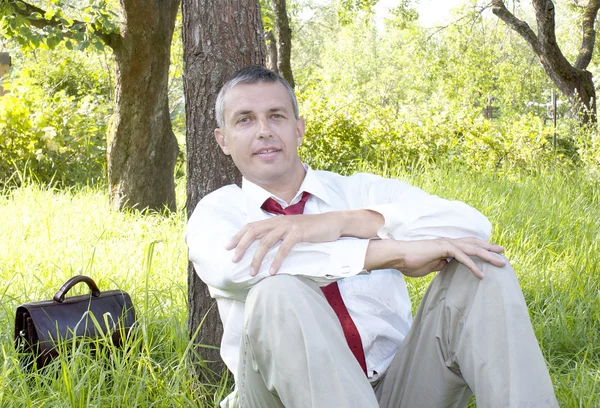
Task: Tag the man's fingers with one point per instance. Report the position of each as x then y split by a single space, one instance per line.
283 251
265 244
251 234
463 249
242 246
489 246
236 239
464 259
493 258
486 253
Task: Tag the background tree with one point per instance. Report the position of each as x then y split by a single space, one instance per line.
142 148
284 40
271 43
219 37
573 80
268 20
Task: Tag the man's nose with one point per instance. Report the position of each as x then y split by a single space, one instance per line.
264 129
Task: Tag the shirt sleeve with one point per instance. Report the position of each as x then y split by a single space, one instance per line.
412 214
211 227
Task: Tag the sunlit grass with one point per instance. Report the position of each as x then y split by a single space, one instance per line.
548 223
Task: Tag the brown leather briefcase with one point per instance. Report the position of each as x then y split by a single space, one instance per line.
40 326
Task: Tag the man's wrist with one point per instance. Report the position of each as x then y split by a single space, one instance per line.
360 223
384 254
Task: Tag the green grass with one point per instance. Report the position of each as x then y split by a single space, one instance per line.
549 224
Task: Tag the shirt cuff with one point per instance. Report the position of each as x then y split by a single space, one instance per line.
347 258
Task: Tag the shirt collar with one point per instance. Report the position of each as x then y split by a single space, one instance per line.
311 184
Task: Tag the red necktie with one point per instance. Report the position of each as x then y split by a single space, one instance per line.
331 291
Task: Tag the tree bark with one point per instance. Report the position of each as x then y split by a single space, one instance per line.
574 81
219 38
284 41
142 149
271 51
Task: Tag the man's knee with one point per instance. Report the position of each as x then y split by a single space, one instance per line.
273 297
497 276
499 286
276 288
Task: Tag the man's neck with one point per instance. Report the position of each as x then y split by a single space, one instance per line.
285 194
286 189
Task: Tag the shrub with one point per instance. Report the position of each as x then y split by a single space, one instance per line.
58 138
333 139
341 137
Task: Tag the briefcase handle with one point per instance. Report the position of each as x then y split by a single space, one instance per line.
60 295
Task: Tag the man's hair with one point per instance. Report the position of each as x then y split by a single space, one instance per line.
251 75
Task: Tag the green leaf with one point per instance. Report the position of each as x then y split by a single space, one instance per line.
83 45
35 40
51 42
50 14
99 45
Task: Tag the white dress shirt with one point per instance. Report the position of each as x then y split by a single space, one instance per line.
377 301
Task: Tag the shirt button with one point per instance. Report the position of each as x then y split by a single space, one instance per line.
345 270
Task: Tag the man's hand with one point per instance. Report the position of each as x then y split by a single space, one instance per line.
419 258
291 229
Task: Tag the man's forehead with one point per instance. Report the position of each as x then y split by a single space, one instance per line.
258 96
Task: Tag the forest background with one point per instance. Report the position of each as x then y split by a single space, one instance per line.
462 110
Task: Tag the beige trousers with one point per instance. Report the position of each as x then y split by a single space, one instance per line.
469 336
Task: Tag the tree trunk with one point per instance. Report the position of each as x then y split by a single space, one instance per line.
142 149
580 90
574 81
219 38
284 40
271 51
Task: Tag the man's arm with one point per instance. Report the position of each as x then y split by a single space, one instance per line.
292 229
412 258
421 257
390 209
211 227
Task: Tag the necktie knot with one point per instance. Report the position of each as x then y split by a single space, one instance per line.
273 207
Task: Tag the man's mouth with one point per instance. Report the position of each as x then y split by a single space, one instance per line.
267 151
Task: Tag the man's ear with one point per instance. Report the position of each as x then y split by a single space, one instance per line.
300 129
220 137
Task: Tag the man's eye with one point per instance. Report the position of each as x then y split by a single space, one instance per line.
277 116
243 120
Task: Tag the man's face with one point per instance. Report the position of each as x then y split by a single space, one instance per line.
262 134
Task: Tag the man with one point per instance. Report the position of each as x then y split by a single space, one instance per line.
313 302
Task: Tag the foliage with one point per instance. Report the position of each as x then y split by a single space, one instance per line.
401 93
348 10
332 138
176 98
342 138
547 221
75 25
53 121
